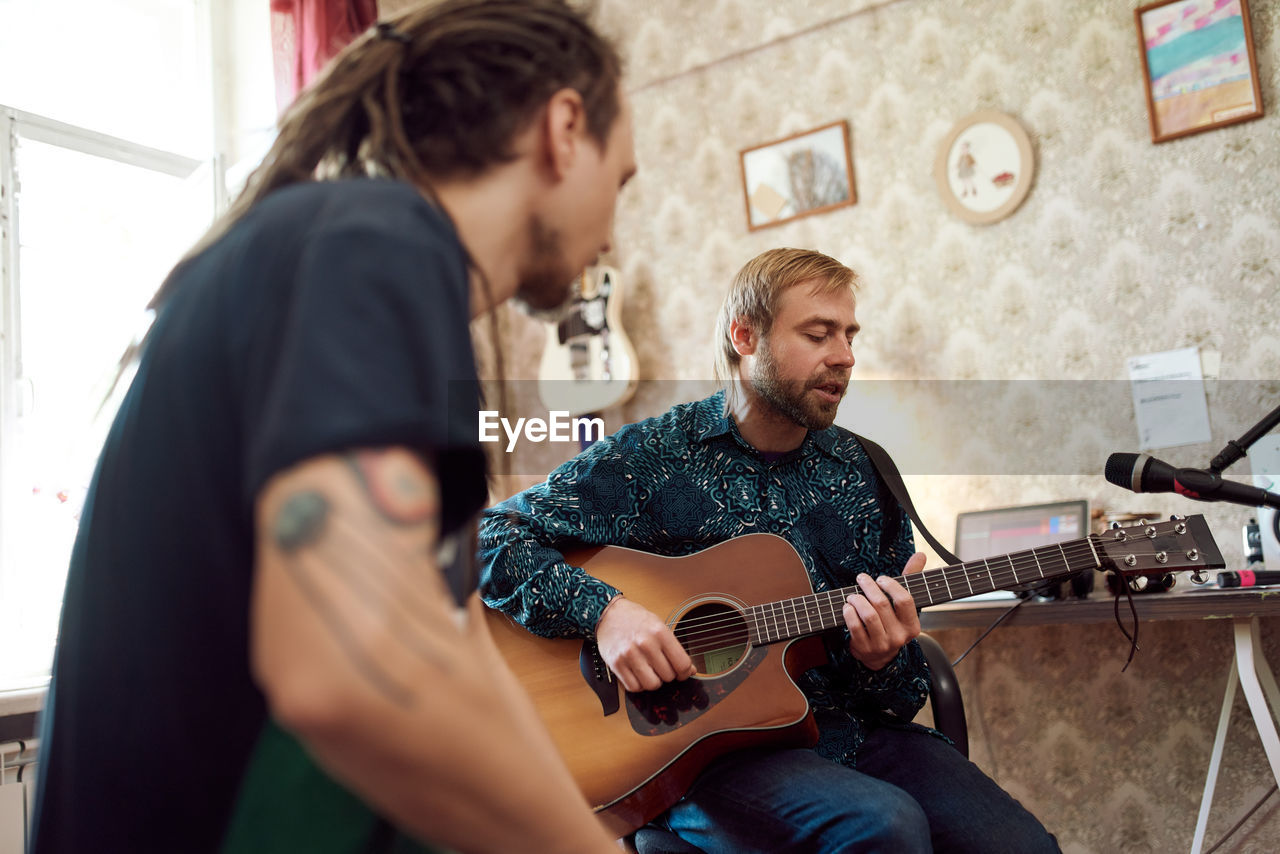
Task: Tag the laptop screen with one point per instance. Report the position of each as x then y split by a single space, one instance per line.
987 533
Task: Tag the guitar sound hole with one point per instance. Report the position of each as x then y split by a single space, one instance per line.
715 636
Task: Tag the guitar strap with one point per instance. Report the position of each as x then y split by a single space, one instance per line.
889 478
457 557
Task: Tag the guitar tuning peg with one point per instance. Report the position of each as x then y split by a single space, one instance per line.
1115 525
1176 518
1198 576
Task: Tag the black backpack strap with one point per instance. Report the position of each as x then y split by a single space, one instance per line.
889 477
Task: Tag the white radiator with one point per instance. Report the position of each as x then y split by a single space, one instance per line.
17 794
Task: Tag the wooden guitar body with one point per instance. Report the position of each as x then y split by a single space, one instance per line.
747 615
745 612
635 762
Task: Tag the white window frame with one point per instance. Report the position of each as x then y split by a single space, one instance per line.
16 124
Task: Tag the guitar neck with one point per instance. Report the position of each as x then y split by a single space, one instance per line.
805 615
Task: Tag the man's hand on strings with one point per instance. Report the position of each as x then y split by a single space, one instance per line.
882 618
639 647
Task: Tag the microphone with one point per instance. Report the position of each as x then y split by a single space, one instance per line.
1247 578
1143 473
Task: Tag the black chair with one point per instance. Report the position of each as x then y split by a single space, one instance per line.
948 718
944 700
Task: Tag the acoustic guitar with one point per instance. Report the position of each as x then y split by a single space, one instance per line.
588 363
748 616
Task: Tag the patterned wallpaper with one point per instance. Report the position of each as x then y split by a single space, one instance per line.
1122 247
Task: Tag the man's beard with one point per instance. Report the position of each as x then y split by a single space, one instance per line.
791 398
546 279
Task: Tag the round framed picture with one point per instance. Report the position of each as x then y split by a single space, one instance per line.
985 167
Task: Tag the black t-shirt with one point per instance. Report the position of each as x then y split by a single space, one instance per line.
332 316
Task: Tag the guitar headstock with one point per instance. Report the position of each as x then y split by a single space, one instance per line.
1183 542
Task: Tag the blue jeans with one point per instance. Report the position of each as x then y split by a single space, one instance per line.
912 792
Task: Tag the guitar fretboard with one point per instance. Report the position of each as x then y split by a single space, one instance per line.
805 615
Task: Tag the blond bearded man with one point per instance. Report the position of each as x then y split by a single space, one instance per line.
763 456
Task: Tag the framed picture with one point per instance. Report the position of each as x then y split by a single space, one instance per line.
808 173
1198 65
984 167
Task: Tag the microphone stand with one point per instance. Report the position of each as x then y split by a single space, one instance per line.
1237 448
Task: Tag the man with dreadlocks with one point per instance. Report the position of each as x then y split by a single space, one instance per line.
259 649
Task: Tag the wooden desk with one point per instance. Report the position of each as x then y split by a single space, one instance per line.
1248 669
1204 603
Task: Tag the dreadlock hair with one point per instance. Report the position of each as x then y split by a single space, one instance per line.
439 91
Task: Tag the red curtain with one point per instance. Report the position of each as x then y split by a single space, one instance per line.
306 34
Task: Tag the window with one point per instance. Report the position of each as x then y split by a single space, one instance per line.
96 204
133 69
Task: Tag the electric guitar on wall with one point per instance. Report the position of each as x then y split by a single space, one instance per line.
749 633
588 364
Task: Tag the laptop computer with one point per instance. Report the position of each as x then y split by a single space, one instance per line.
1001 530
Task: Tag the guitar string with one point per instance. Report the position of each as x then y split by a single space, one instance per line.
1003 566
792 611
741 635
798 610
937 576
1006 568
735 629
788 612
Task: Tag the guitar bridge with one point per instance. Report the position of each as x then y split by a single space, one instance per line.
599 677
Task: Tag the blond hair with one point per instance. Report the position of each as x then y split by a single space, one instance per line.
754 293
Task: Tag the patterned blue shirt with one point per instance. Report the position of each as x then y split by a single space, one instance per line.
685 481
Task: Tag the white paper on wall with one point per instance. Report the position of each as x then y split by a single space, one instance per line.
1168 399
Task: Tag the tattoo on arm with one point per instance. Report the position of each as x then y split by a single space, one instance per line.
301 521
400 499
377 571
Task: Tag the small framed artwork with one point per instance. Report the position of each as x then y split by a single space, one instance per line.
1198 65
984 167
803 174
